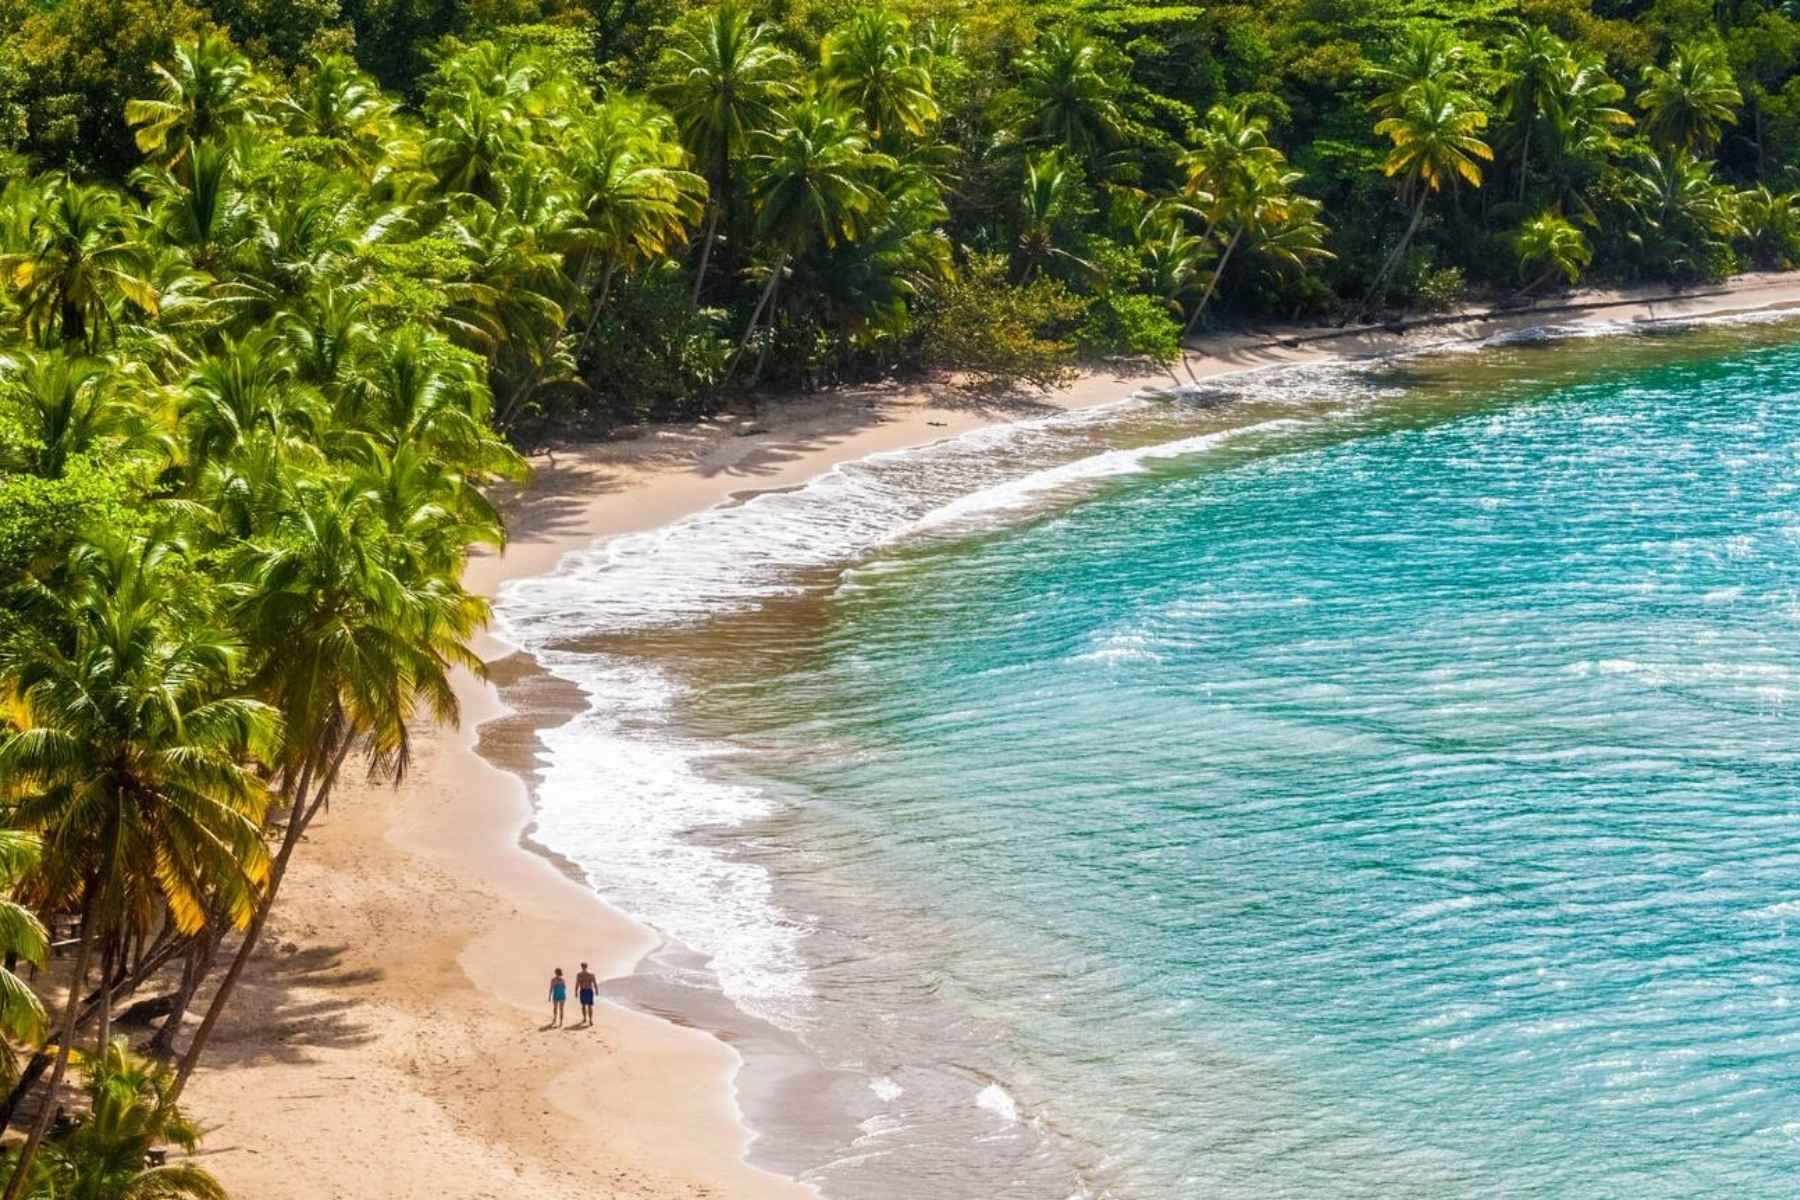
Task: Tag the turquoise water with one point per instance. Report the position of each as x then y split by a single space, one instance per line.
1396 802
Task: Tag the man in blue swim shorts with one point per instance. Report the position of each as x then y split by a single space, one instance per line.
585 983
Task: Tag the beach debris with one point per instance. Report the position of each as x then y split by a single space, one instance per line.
750 431
625 433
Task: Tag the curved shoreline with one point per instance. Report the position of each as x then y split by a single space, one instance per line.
391 1040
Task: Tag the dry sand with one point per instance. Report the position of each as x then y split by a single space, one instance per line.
389 1040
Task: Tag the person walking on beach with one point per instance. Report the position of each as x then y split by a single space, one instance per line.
585 983
559 995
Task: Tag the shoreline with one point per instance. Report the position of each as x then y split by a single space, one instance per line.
394 1012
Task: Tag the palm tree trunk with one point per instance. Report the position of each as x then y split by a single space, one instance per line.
1213 283
731 368
298 819
104 1033
199 963
706 245
15 1187
1525 160
1387 268
762 355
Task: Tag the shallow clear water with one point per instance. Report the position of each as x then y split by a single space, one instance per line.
1388 790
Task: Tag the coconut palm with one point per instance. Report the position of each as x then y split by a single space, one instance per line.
871 63
206 213
245 391
1066 96
65 406
129 1114
1047 197
336 102
1534 62
130 759
81 258
1580 128
1433 53
635 193
1688 103
1548 245
1435 135
1771 224
208 88
813 181
1235 180
22 939
724 78
359 642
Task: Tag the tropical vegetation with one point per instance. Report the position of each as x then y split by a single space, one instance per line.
286 288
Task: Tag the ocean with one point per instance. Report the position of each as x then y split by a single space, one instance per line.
1369 780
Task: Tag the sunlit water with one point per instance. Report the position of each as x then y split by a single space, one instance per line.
1363 782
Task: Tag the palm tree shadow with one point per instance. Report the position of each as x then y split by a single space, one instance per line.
290 1003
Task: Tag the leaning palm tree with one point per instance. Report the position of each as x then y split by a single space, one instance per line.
636 195
1435 135
363 627
82 257
130 760
1235 179
1548 245
1534 62
872 63
1688 103
723 77
812 182
1067 97
208 88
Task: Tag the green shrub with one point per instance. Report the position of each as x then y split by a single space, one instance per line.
650 357
1128 325
997 334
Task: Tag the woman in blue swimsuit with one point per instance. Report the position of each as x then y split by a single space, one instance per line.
559 992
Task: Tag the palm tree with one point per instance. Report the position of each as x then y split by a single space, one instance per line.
130 1114
1067 97
1434 132
1771 224
811 181
242 392
129 759
1550 245
336 102
362 630
1172 256
22 938
1234 180
82 255
209 88
871 63
1047 195
207 213
1580 127
1688 103
723 77
635 193
1434 53
1534 62
67 406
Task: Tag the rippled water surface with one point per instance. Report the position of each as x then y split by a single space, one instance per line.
1386 788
